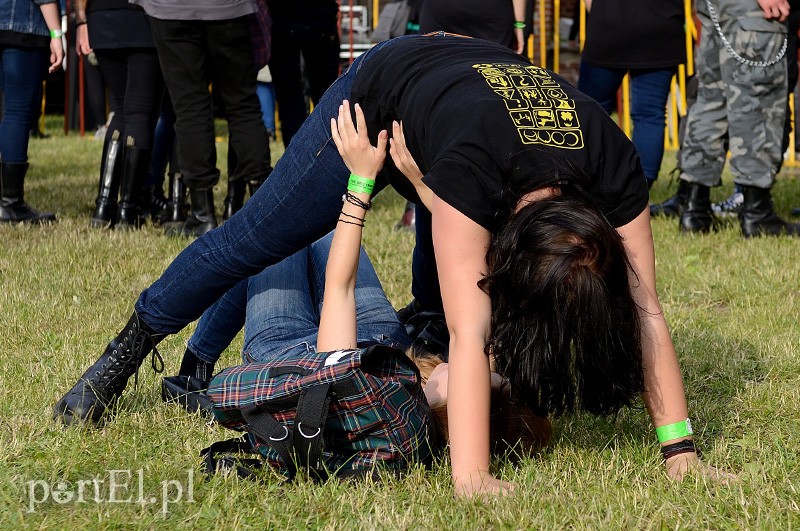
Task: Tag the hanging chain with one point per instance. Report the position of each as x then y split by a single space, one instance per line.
739 58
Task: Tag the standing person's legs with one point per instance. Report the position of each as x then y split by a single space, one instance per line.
649 92
601 84
229 46
114 69
184 60
21 71
321 56
284 63
756 114
424 277
705 142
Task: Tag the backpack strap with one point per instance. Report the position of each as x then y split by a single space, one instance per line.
312 411
243 467
273 433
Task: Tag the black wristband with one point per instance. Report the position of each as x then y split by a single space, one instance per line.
681 447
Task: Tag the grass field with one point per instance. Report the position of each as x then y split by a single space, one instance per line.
732 304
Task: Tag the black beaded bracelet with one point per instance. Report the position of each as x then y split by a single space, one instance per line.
353 200
681 447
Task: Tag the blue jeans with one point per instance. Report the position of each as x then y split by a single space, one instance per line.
21 73
297 205
280 309
649 92
266 97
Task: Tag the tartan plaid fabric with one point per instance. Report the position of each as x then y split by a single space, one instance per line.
377 416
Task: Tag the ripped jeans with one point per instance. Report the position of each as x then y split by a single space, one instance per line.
280 309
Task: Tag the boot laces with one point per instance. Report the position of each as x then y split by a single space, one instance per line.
133 348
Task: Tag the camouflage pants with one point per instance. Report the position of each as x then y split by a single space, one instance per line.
739 108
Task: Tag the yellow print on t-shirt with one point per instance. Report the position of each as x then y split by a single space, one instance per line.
538 106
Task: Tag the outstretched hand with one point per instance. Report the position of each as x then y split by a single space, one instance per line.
352 141
679 465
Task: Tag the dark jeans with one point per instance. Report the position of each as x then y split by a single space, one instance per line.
320 55
649 92
194 53
134 82
21 74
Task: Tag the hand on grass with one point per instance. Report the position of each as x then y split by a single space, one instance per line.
352 141
679 465
480 483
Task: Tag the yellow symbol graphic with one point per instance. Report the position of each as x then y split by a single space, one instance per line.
523 81
506 94
515 104
557 94
522 118
545 118
565 104
492 72
498 82
568 118
550 137
515 71
529 94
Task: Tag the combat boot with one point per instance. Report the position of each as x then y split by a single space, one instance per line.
697 216
758 218
13 208
102 383
203 217
234 200
134 199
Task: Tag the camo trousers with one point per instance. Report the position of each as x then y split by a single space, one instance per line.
740 108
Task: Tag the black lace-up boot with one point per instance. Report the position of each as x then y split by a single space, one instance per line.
104 381
234 200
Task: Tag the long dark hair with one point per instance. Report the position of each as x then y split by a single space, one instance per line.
565 329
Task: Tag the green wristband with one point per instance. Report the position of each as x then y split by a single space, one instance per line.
674 431
56 33
519 24
360 185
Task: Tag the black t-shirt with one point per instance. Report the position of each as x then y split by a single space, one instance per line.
635 34
482 122
492 20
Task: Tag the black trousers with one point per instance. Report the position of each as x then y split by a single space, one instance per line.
135 86
194 53
320 55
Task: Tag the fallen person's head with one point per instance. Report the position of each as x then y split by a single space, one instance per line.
514 429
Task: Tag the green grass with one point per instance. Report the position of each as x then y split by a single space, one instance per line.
732 304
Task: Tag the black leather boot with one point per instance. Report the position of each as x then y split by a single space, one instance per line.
697 216
675 205
13 208
134 199
111 167
203 217
177 208
758 218
234 200
104 381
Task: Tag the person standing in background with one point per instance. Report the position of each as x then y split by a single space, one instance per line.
29 29
649 50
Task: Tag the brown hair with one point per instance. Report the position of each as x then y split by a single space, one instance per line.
514 429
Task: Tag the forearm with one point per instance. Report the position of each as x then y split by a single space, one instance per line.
51 16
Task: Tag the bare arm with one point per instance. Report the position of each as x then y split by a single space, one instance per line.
519 15
461 246
337 328
53 21
664 393
81 31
